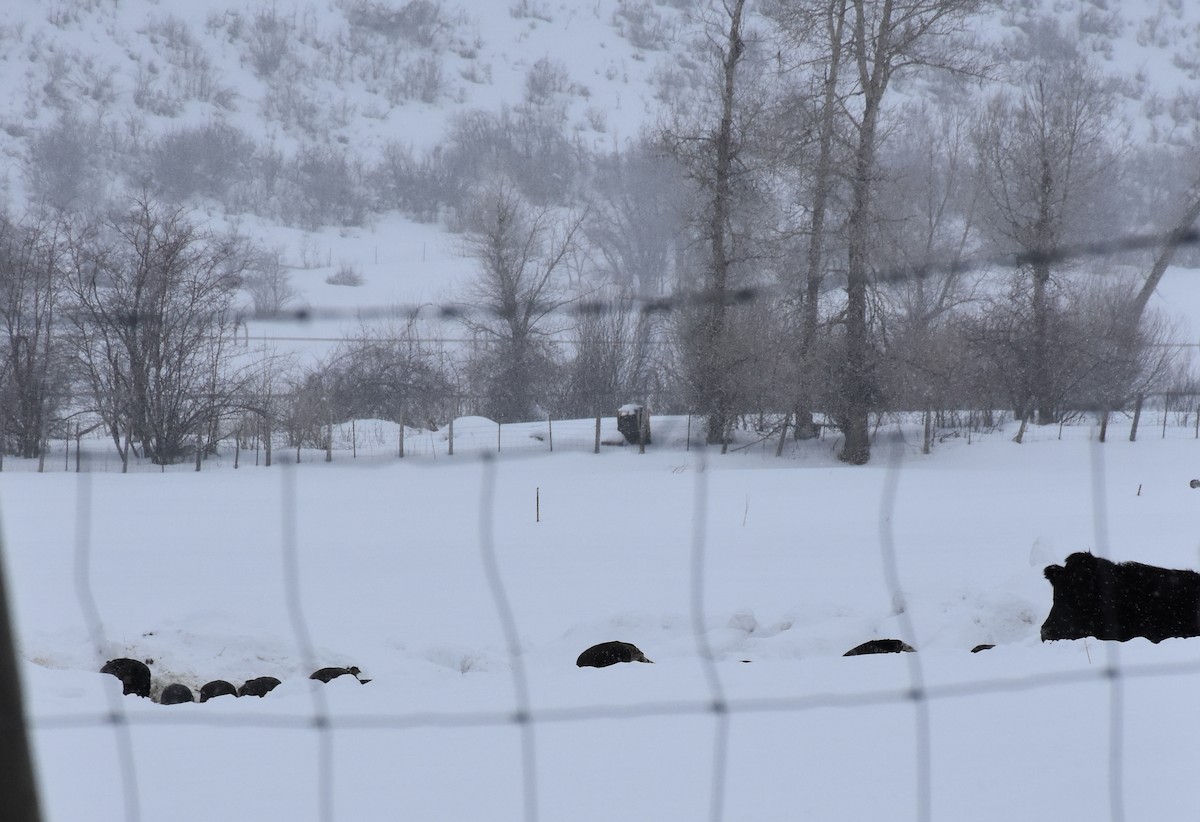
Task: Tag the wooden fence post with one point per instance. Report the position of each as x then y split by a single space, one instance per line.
596 447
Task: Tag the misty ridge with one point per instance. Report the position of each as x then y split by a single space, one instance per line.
773 214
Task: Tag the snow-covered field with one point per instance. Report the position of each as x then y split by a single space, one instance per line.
777 565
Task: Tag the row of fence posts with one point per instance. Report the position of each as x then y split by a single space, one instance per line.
927 421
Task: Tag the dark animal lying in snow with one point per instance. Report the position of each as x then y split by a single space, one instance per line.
259 686
610 653
881 646
1106 600
218 687
134 675
176 694
326 674
979 648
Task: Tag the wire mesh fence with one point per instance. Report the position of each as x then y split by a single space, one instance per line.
1171 415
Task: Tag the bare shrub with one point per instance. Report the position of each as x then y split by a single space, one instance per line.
206 160
346 274
269 40
267 281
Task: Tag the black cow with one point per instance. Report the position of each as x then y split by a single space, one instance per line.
327 674
218 687
1107 600
881 646
610 653
133 673
176 694
259 686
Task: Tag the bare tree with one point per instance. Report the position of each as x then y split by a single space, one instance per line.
635 218
521 252
389 371
1101 360
710 149
885 37
613 363
267 281
928 197
153 321
813 36
1047 161
32 375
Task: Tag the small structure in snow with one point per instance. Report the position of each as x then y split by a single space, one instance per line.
634 423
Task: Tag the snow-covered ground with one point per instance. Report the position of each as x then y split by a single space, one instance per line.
778 565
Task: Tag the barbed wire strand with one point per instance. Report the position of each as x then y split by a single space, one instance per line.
84 594
699 298
718 704
512 640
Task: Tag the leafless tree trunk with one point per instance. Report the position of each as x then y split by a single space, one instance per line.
885 36
823 22
709 148
1185 227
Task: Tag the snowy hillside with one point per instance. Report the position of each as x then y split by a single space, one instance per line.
97 96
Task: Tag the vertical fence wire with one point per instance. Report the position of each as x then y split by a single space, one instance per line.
922 755
716 691
508 624
294 599
1112 669
122 736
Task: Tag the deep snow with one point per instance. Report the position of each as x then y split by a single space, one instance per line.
391 566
